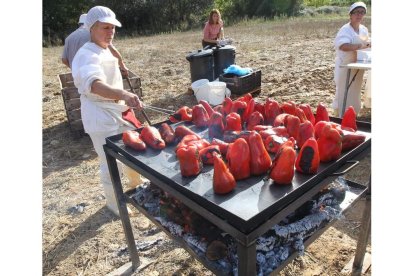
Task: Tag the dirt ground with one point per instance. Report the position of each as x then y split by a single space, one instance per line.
296 58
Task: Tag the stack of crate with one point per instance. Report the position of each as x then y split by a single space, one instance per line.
71 99
240 85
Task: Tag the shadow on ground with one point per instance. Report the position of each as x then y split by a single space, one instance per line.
62 148
85 231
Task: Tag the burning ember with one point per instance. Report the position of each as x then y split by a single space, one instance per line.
219 249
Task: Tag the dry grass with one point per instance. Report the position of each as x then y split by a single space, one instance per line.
296 59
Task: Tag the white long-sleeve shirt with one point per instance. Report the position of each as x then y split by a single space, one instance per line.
347 34
92 63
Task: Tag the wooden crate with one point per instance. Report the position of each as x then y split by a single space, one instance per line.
250 83
71 99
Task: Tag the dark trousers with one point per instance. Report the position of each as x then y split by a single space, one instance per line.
205 44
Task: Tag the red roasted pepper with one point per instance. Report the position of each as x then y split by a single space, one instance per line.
181 131
321 113
152 137
223 180
207 153
131 139
219 109
167 133
261 108
289 107
184 113
227 105
260 160
256 118
200 116
266 133
238 157
292 124
351 140
272 109
273 143
239 107
306 131
231 136
308 159
329 144
215 125
245 98
186 141
190 162
207 106
283 168
249 110
308 112
349 119
233 122
222 145
191 140
259 128
280 120
281 131
318 128
301 115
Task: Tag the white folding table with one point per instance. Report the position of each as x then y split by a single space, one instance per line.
359 65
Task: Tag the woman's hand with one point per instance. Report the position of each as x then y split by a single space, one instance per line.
123 69
365 45
132 100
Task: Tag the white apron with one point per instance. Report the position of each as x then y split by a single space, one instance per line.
104 114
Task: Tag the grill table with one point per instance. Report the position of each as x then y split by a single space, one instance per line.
246 213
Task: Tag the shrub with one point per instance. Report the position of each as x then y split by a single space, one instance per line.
316 3
328 10
307 11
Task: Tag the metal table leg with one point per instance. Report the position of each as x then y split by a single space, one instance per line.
363 235
122 206
348 73
247 259
347 85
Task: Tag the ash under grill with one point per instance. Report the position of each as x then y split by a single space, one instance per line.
219 249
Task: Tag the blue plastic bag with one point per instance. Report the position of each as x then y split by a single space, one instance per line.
237 70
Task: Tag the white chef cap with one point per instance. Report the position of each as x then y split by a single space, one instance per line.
101 14
357 5
82 19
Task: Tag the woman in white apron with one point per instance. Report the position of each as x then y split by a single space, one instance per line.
350 38
103 100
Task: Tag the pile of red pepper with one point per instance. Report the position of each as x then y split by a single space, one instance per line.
244 133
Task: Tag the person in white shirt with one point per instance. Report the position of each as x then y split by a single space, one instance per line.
98 79
79 37
350 38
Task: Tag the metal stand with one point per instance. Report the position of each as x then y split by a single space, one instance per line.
247 259
363 235
122 207
246 249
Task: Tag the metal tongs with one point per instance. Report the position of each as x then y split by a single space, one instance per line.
159 109
133 91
